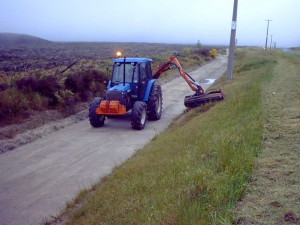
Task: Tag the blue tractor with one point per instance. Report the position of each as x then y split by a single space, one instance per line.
133 87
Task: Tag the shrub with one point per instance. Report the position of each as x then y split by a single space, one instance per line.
26 84
3 87
12 105
47 87
205 52
71 83
186 51
213 53
85 84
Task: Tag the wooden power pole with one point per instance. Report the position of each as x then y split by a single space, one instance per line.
232 42
266 45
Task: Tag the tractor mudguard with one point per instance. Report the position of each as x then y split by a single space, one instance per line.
148 89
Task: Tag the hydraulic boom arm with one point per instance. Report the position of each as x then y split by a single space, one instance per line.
173 61
199 97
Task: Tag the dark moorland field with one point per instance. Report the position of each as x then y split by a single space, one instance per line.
24 55
54 57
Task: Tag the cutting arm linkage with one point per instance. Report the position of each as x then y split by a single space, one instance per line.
173 61
199 97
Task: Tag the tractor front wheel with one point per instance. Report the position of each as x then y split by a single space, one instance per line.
139 115
96 120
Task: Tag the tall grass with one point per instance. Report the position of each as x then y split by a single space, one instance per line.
195 172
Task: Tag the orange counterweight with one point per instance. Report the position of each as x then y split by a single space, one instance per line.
111 108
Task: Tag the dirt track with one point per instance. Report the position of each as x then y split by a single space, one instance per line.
37 179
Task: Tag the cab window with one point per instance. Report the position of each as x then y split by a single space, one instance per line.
143 71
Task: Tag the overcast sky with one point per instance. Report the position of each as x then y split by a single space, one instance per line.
162 21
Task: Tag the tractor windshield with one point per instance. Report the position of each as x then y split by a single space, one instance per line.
131 73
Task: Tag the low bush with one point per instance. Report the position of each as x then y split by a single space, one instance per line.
12 105
85 84
46 87
31 93
213 53
205 52
3 87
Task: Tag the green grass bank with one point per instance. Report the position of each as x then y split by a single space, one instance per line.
274 193
197 170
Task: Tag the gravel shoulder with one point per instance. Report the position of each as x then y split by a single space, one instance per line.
38 125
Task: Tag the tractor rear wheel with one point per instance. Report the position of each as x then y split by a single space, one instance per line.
155 103
139 115
96 120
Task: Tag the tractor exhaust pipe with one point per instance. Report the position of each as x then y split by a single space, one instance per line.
124 74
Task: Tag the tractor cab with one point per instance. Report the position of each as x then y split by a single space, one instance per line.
130 75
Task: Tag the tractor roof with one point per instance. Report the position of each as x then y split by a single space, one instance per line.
134 60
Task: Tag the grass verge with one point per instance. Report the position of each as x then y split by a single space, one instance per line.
273 197
195 172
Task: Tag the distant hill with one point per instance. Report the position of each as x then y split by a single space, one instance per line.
21 39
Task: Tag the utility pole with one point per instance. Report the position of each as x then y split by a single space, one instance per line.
266 45
232 41
271 41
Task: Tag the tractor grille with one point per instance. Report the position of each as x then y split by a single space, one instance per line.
116 96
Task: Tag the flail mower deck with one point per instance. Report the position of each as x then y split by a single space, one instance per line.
200 99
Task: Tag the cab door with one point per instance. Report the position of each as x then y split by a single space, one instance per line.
145 75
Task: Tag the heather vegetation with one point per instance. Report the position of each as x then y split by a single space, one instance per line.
47 75
50 92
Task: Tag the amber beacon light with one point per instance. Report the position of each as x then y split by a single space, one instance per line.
119 54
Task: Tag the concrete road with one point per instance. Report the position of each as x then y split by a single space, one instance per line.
37 179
